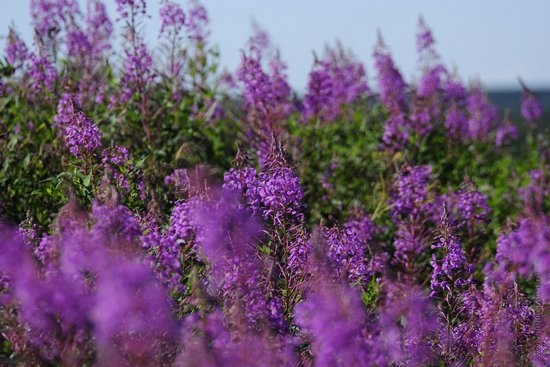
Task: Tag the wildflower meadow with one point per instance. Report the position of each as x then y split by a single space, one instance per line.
159 211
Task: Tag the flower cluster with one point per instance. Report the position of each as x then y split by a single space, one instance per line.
408 228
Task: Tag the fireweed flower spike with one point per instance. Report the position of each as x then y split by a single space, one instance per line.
16 50
392 95
334 82
531 109
482 115
172 18
81 136
452 273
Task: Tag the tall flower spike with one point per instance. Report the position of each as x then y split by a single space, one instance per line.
82 137
531 109
482 115
390 82
452 273
334 81
172 18
16 50
98 27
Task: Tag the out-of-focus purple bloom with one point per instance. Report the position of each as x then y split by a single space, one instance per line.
132 323
280 86
116 228
179 179
50 16
131 8
197 22
172 18
334 318
396 133
65 111
390 82
424 38
334 82
534 193
506 133
406 324
41 74
524 251
211 342
456 122
541 355
453 89
137 73
531 109
227 243
482 115
16 49
99 27
78 44
430 82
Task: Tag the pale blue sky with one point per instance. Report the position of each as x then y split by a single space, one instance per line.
495 41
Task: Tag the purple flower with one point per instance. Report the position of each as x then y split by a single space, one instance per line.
456 122
409 244
227 242
472 208
49 16
406 324
172 18
41 74
211 342
78 44
82 136
99 27
396 135
137 73
65 111
197 22
411 192
117 166
506 133
131 8
534 193
347 249
132 323
531 109
482 115
524 251
333 317
453 89
424 38
452 273
16 50
261 92
390 82
334 82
